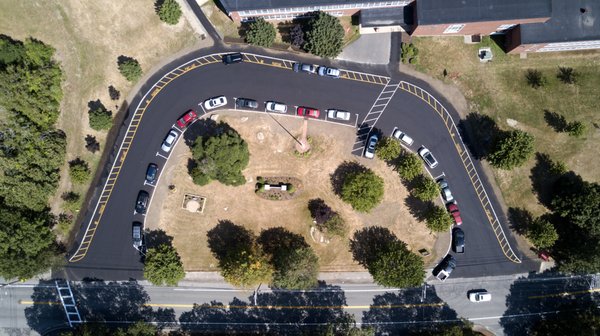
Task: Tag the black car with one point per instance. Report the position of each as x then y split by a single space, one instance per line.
151 173
142 202
233 58
443 270
246 103
458 240
137 234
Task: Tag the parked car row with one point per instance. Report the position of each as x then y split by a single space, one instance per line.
313 69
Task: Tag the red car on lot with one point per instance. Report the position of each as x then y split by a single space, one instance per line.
453 209
187 118
308 111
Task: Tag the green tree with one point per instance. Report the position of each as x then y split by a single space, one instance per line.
363 190
72 201
100 118
542 233
296 269
388 149
327 220
511 150
398 267
246 267
221 157
576 128
325 36
425 188
139 328
569 322
578 202
409 166
335 226
438 219
27 243
409 53
11 51
261 33
79 171
30 163
130 68
163 266
168 11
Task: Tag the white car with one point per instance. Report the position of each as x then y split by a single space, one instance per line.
338 114
329 72
398 134
273 106
428 157
215 102
482 296
370 149
169 141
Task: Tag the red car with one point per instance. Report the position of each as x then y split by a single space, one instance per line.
187 118
307 111
453 209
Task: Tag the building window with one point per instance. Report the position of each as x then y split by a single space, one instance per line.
505 27
454 28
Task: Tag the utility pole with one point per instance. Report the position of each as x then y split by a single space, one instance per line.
256 294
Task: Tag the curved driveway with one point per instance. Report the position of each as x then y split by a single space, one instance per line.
105 249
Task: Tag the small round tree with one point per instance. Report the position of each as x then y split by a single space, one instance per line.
576 128
388 149
261 33
246 267
325 36
542 233
409 166
398 267
130 68
168 11
100 118
79 170
511 150
163 266
425 188
363 190
438 219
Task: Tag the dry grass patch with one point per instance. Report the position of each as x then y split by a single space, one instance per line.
274 156
499 89
88 37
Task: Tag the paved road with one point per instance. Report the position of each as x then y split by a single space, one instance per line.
517 301
107 251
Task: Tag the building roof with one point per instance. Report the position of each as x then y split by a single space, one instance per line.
242 5
432 12
572 20
381 17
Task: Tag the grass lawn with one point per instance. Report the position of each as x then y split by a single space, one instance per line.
272 155
88 37
499 89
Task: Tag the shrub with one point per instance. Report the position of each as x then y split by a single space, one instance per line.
79 170
335 226
91 144
163 266
398 267
438 219
72 201
325 36
576 128
130 68
168 11
567 75
261 33
542 233
425 188
535 79
409 166
511 150
114 93
100 118
388 149
409 53
362 190
291 188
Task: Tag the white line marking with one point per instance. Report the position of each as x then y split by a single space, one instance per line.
162 156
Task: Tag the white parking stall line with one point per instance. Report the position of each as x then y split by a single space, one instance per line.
162 156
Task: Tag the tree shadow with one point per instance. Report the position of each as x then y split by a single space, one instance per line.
97 301
125 59
368 243
555 120
275 313
543 176
529 298
94 105
406 312
227 236
205 128
155 238
338 177
480 133
277 240
320 212
520 219
418 208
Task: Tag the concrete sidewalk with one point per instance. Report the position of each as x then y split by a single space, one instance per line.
369 49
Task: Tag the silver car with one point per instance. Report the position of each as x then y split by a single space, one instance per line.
370 149
215 102
338 114
273 106
169 141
